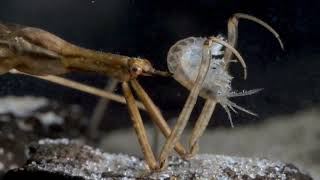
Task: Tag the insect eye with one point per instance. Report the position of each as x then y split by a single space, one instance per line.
136 70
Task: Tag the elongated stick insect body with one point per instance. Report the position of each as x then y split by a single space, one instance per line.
37 52
41 54
186 59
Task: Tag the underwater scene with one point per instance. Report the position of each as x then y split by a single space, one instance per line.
129 89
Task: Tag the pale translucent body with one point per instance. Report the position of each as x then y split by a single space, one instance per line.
184 59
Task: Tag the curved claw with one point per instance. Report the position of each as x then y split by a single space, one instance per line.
259 21
234 51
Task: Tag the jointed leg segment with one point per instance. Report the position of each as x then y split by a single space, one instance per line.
192 98
201 125
155 114
147 104
238 16
81 87
156 117
139 127
188 107
210 104
232 50
233 32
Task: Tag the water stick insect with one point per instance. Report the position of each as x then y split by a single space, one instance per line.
38 53
201 65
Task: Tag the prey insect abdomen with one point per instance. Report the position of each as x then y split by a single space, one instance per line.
184 59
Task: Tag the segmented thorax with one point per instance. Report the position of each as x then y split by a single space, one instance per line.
184 59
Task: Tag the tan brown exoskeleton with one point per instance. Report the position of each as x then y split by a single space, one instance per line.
35 52
38 53
41 54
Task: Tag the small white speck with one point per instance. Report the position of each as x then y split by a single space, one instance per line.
49 118
54 141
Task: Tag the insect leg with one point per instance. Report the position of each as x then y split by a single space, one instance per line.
139 127
81 87
188 107
238 16
99 110
232 50
155 114
201 125
233 31
210 104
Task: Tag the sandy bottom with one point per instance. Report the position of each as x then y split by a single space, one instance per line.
291 138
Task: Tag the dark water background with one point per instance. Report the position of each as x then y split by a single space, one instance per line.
148 28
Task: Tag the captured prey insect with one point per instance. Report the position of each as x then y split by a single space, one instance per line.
197 65
36 52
